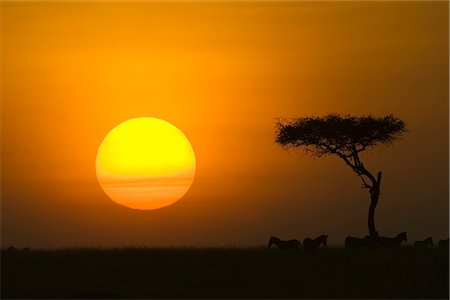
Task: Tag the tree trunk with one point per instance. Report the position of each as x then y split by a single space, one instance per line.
371 221
374 195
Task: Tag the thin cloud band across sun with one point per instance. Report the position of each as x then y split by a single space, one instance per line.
145 163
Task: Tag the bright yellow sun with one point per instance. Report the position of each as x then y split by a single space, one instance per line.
145 163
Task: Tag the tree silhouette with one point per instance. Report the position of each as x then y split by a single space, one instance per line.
346 137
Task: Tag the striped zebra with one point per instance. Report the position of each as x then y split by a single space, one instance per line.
309 243
284 245
428 242
386 242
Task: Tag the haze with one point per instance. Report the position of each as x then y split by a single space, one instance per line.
222 73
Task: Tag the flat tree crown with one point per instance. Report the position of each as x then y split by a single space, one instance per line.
336 134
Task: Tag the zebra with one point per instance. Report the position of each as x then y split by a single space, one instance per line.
284 245
395 242
309 243
354 242
428 242
443 243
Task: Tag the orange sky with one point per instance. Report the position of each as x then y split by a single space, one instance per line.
222 73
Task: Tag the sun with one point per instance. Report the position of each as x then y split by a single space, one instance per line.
145 163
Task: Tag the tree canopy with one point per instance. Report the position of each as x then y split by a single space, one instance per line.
340 135
344 136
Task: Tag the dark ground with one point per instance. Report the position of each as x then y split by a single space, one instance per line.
225 273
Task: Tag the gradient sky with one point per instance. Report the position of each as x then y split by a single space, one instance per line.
222 73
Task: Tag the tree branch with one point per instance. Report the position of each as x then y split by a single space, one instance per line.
365 185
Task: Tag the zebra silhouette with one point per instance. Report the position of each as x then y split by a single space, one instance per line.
309 243
386 242
443 243
284 245
428 242
354 242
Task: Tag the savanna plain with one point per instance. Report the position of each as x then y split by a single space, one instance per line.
257 272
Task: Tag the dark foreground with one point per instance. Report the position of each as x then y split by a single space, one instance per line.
225 273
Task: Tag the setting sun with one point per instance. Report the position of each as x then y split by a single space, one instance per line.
145 163
224 149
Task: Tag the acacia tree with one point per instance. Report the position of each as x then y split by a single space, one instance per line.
345 137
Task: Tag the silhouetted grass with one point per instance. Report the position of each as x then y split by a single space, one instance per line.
225 273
